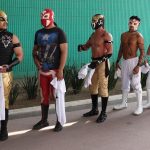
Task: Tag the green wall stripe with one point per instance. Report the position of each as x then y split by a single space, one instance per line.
74 16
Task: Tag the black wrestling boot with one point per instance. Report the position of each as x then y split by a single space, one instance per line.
102 117
94 110
58 127
43 122
4 132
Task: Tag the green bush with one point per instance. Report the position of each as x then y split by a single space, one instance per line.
14 94
30 85
111 81
76 83
67 76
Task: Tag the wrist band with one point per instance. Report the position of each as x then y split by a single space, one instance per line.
117 61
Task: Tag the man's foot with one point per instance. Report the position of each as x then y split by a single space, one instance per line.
58 127
3 135
91 113
120 106
138 111
41 124
147 105
102 117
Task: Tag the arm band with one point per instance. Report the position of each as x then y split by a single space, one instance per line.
108 42
117 61
16 45
14 62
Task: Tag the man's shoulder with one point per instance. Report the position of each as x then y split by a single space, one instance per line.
124 33
139 34
59 29
108 34
40 30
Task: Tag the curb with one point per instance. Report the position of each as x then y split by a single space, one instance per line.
69 106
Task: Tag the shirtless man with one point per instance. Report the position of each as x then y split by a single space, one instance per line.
100 43
131 42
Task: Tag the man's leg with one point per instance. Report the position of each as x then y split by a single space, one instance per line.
136 84
124 101
43 122
4 132
44 87
125 81
139 108
102 117
7 82
147 105
94 111
58 126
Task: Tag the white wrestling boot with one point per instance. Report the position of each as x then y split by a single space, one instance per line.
124 102
147 105
139 108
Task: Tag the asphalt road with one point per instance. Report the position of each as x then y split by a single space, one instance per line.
121 131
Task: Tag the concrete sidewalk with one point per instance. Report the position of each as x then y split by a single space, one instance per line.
121 131
70 106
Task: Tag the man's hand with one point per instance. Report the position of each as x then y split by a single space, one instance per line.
59 74
4 68
117 66
38 64
80 47
145 63
136 70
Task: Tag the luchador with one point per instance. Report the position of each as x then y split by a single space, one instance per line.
100 43
50 53
9 45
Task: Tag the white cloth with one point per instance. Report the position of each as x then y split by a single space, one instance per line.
145 68
86 73
2 99
88 77
59 94
117 73
83 72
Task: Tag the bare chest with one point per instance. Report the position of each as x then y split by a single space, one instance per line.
130 39
97 39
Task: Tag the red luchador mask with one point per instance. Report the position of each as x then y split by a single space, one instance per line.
47 17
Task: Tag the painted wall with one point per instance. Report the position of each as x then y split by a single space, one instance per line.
74 17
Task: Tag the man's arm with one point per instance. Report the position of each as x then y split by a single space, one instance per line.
120 52
108 45
140 44
63 58
148 50
141 48
35 58
17 48
86 46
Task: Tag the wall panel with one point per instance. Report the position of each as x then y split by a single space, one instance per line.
74 17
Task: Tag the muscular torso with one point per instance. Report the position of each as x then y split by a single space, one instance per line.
130 43
97 43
